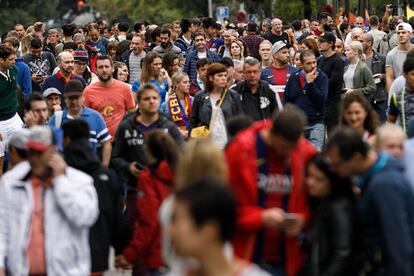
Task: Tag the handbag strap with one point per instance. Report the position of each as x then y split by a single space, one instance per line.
213 119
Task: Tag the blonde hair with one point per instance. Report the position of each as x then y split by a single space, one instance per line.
357 46
26 43
200 159
388 131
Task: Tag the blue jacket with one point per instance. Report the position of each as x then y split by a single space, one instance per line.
24 77
311 98
386 213
191 61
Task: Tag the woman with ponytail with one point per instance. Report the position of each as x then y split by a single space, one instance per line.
358 77
156 182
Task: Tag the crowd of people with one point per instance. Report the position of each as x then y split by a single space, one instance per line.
203 148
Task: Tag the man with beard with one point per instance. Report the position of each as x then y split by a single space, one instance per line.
308 90
65 61
134 57
279 72
110 97
166 46
200 52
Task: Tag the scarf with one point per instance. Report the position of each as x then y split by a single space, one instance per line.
179 114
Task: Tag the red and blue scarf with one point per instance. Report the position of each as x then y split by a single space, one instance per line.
180 115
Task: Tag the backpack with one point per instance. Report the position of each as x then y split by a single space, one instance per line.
384 45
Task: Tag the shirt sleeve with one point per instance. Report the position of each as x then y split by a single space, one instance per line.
393 107
102 134
389 61
129 99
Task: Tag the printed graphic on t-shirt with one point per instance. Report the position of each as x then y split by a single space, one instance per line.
275 183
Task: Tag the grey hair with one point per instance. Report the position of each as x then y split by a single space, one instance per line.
237 62
251 61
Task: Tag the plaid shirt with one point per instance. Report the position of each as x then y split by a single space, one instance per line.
191 60
253 42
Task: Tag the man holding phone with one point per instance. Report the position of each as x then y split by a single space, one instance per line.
266 163
308 90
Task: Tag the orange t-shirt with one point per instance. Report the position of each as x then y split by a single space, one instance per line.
36 248
112 102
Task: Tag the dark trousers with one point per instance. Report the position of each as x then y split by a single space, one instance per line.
380 107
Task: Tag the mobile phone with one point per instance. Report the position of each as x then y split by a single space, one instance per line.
137 166
289 217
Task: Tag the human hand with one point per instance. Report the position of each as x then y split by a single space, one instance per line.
272 217
388 8
57 164
133 169
122 263
36 78
57 107
1 137
348 91
311 76
184 133
30 118
293 224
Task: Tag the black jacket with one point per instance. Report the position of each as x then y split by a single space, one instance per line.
378 67
129 145
111 228
202 110
258 106
329 238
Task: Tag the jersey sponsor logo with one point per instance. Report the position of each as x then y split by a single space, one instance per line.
275 183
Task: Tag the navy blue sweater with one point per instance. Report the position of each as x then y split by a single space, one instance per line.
59 84
311 98
386 214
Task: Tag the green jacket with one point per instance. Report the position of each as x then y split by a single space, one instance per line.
363 81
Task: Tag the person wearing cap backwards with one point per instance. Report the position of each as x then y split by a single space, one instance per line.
396 57
332 65
9 119
46 210
99 135
53 100
279 72
17 149
65 61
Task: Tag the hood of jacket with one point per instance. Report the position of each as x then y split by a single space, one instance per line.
81 156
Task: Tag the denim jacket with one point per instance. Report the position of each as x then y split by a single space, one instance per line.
70 208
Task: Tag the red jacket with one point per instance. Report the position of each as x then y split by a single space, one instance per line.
242 160
153 188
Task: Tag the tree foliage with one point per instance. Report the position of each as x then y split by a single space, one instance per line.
25 12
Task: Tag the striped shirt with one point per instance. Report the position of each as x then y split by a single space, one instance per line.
98 130
135 67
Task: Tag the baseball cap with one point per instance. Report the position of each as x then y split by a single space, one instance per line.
404 27
19 138
73 87
80 55
278 46
50 91
40 138
328 36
